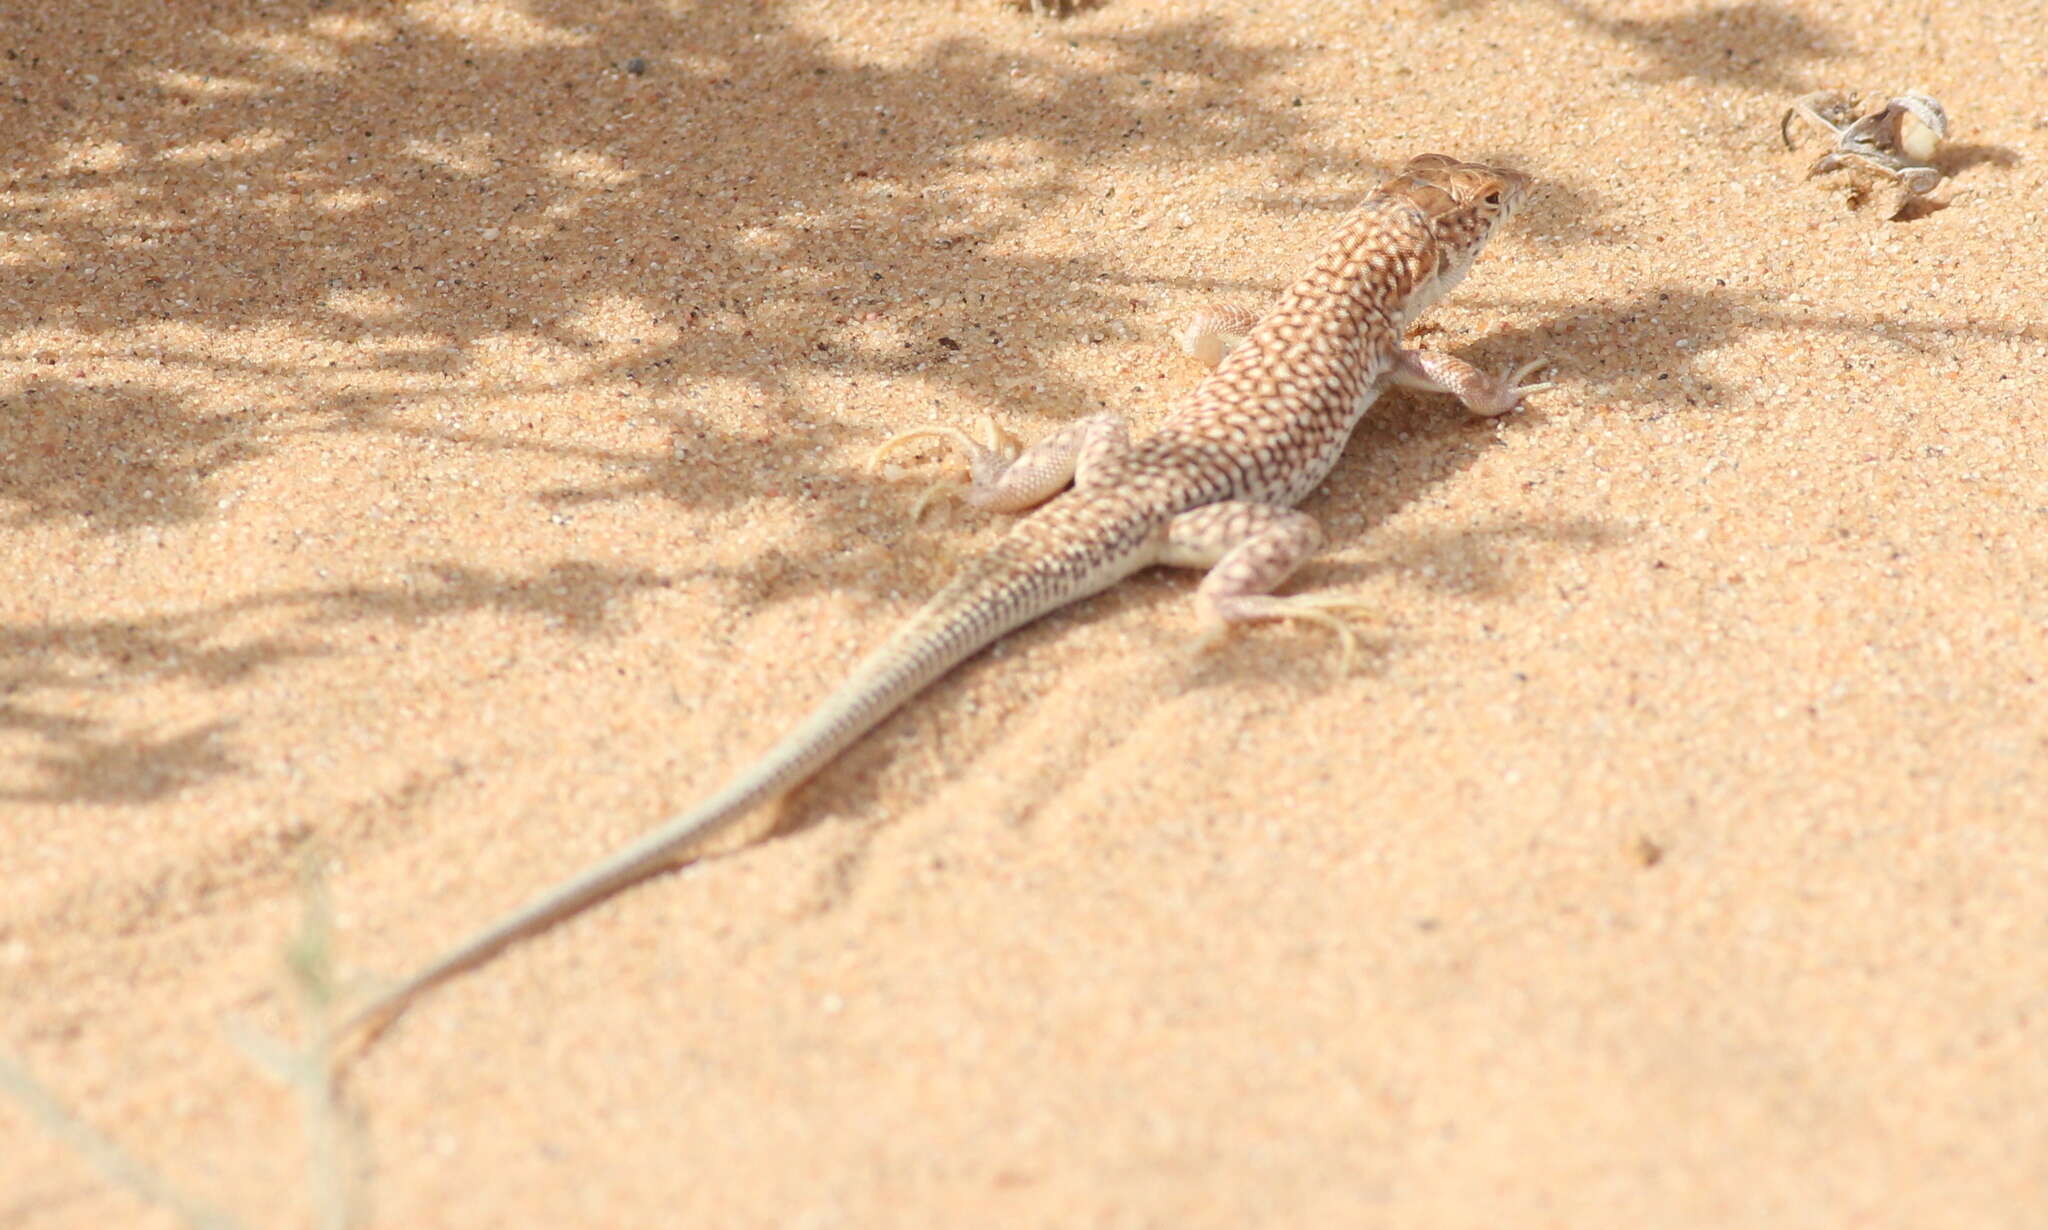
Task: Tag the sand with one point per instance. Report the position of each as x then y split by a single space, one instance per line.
433 449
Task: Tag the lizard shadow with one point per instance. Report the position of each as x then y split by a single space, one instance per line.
1651 348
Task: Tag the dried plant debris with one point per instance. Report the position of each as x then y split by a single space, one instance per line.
1888 149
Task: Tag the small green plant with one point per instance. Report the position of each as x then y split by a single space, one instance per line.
115 1164
333 1134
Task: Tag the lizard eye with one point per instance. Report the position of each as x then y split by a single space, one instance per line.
1493 198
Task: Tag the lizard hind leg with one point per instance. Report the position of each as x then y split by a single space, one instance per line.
1214 332
1249 550
1003 478
988 455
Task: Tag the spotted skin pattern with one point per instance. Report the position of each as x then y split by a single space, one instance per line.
1212 488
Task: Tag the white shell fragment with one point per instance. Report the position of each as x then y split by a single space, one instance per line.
1895 143
1920 125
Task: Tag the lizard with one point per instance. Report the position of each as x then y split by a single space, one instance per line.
1213 487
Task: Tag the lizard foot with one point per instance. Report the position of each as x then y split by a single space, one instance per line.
996 448
1337 612
1483 395
1507 393
989 455
1511 381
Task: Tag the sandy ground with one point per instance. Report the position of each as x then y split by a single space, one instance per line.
433 435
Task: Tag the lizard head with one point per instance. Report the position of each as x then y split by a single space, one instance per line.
1464 202
1459 196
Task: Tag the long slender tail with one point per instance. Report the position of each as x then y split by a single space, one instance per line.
995 594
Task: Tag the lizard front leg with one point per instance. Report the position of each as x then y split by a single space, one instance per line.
1249 550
